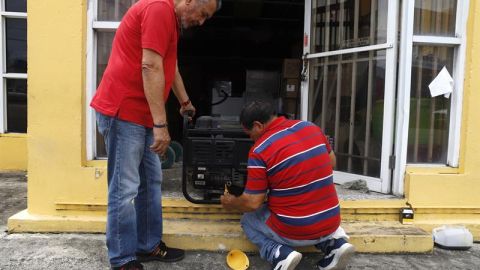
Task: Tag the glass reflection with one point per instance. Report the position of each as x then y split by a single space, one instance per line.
435 18
16 41
113 10
16 105
104 47
16 5
343 24
347 102
429 117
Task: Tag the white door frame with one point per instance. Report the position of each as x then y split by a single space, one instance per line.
382 184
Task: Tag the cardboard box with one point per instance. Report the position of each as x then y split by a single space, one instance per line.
290 106
291 88
291 68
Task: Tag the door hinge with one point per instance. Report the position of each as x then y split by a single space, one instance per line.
391 162
304 72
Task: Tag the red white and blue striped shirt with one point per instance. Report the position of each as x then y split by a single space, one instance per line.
291 161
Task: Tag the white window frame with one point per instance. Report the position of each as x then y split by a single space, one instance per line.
4 75
458 42
93 26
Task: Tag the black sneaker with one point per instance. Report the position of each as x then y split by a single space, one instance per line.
162 253
132 265
286 258
337 254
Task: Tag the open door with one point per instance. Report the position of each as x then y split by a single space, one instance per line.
348 86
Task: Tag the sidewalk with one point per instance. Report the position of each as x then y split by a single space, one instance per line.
88 251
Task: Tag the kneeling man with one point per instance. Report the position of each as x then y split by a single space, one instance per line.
290 164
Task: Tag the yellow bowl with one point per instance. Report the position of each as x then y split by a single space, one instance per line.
237 260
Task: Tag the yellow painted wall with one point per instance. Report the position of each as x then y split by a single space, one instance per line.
56 100
13 152
459 188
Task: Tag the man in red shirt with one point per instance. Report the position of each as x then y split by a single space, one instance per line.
130 107
291 163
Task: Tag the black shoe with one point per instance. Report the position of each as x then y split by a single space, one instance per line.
132 265
286 258
162 253
337 254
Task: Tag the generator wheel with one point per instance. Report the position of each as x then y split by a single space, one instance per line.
178 148
168 159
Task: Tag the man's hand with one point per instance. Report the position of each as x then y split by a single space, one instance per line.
187 108
226 199
161 140
242 203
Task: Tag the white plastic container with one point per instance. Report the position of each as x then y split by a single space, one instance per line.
453 237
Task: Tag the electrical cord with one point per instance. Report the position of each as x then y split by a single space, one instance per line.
224 98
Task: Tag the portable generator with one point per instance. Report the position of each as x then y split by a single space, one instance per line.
215 157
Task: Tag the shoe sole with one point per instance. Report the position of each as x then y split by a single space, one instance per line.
150 259
340 262
292 260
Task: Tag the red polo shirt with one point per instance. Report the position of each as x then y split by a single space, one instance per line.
148 24
291 161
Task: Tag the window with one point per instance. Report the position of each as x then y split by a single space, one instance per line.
434 22
434 39
433 36
13 86
104 17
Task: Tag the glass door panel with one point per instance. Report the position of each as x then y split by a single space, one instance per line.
429 116
347 100
435 18
351 83
343 24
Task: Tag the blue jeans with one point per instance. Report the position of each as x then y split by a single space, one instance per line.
268 241
134 212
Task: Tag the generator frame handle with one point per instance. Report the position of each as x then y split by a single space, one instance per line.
186 121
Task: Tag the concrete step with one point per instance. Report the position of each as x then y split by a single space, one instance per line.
226 235
372 226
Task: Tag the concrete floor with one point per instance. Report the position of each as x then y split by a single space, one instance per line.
88 251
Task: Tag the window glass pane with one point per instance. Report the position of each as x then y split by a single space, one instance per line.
347 101
101 150
113 10
16 39
435 17
16 5
104 46
16 105
343 24
429 117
